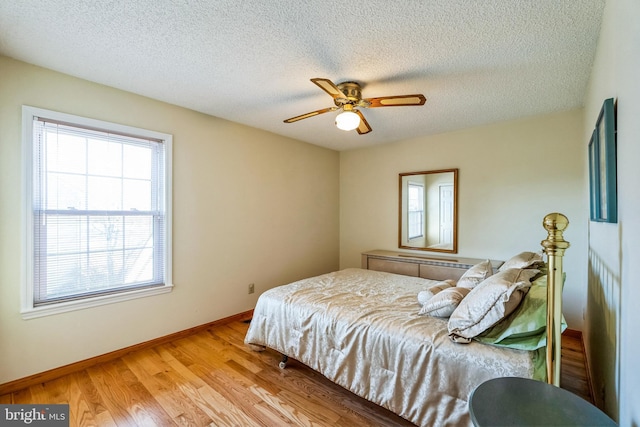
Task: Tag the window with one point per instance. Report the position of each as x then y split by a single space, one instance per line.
415 210
97 201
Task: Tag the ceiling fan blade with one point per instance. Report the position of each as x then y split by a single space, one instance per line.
363 127
328 86
396 101
311 114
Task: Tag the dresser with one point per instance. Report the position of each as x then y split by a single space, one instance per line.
425 266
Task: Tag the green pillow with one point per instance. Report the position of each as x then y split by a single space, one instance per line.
526 327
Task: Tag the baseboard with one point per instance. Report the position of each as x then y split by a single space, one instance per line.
52 374
588 371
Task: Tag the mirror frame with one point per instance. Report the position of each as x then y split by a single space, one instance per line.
454 249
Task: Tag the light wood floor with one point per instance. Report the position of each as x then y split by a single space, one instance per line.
211 378
573 374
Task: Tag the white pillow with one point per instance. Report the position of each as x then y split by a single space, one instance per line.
427 294
489 302
523 260
444 302
476 274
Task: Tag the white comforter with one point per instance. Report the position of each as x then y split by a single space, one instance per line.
360 329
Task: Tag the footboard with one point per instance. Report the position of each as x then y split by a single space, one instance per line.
554 246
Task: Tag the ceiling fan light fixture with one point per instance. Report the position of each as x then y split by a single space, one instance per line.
347 120
346 96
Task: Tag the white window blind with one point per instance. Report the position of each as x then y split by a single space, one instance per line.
99 212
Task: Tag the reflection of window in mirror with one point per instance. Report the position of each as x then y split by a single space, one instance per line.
428 210
415 210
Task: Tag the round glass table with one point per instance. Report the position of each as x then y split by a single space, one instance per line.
514 401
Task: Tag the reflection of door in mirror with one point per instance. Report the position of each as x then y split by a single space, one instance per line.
446 214
428 210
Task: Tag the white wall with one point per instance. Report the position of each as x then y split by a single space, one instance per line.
611 335
249 207
511 175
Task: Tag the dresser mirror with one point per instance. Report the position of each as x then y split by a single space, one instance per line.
428 214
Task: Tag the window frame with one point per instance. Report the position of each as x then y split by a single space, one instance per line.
28 308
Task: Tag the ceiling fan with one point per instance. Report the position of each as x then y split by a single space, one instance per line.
348 97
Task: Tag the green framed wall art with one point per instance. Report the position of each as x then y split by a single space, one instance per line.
602 166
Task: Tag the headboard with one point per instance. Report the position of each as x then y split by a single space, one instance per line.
425 266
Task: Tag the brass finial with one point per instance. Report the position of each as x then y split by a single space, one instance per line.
555 224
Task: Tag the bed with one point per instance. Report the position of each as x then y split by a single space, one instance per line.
367 331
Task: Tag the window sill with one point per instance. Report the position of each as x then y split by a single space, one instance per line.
63 307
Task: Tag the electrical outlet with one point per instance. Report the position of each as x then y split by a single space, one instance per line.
252 288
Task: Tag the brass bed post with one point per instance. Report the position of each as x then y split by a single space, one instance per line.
554 246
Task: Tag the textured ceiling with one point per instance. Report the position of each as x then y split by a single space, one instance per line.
250 61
